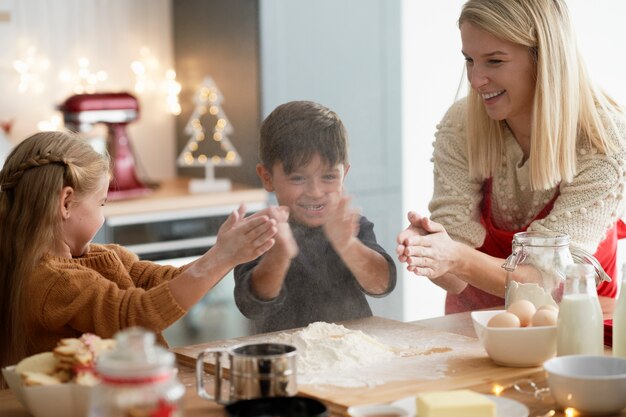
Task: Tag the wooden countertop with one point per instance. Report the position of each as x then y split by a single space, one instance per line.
475 371
174 194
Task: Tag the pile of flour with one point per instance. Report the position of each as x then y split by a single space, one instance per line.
326 349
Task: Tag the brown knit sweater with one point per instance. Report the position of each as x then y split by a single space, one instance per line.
101 292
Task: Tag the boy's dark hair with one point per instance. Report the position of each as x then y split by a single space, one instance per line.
296 131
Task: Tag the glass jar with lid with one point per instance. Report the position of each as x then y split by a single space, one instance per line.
138 378
536 267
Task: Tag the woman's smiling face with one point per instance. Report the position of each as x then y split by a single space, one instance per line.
501 72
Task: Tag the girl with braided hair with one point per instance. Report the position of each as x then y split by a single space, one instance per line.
55 284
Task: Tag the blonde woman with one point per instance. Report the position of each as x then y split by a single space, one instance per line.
534 146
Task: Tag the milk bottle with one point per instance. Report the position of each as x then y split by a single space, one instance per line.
619 320
580 327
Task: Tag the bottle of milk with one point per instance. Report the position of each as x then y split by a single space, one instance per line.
580 327
619 319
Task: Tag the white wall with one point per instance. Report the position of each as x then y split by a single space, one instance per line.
432 70
110 34
601 34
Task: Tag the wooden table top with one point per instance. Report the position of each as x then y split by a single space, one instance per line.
456 324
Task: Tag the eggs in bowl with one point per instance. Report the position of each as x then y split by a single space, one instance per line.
514 346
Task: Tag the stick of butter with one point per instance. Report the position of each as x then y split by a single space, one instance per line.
456 403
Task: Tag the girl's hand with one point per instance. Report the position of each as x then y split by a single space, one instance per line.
342 223
241 239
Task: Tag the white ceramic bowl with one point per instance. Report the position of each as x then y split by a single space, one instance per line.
590 384
519 347
64 400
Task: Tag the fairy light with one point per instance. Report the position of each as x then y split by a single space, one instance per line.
146 69
172 90
29 67
54 123
83 80
188 158
570 412
497 389
523 386
149 78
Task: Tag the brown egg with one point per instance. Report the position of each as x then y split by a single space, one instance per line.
544 317
549 307
504 320
524 310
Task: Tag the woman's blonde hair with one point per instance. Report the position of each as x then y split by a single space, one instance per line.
566 102
31 182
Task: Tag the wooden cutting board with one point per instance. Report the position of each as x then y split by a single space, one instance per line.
431 360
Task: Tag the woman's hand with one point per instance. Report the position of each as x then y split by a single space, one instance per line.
414 229
426 248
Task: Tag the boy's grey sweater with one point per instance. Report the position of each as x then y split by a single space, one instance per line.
318 285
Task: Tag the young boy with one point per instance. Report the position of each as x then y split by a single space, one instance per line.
325 259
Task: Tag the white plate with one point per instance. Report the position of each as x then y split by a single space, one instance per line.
387 410
505 407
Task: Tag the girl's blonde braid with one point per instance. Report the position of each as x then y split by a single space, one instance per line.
9 179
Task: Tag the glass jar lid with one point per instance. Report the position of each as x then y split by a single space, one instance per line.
547 239
135 355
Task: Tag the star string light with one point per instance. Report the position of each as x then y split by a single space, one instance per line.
29 67
83 80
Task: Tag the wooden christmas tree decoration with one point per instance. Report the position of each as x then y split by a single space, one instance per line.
208 147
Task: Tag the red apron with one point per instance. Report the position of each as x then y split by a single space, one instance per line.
498 243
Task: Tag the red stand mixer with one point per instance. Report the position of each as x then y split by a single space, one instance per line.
115 110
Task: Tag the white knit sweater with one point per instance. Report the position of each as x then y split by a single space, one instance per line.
585 208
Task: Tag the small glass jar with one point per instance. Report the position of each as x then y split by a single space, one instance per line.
138 379
536 267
